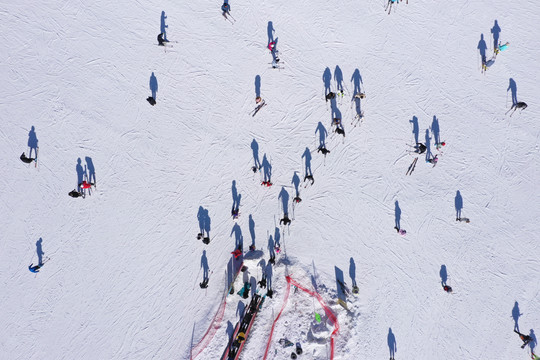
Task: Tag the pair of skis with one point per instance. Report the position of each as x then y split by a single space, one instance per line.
258 108
412 167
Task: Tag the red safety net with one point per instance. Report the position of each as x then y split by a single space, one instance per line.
211 331
327 310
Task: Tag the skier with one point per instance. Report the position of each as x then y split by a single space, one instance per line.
360 96
160 40
501 47
519 105
272 46
262 283
330 96
225 8
401 232
86 185
309 177
340 130
34 269
420 148
297 199
241 337
25 159
75 194
433 160
237 253
285 220
234 213
526 338
323 150
204 284
438 146
447 288
266 183
467 220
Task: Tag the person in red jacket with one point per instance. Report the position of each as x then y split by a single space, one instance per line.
86 185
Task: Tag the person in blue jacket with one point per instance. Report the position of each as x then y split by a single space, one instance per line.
501 47
34 269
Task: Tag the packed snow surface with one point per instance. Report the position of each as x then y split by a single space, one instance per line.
125 264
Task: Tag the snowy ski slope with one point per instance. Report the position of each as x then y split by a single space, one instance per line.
125 264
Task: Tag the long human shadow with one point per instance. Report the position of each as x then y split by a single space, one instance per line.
416 129
275 51
255 149
515 315
271 248
153 85
458 204
80 173
32 141
284 196
204 265
392 344
397 215
253 282
307 158
435 130
533 342
267 169
229 330
269 272
340 284
270 30
163 27
323 133
512 86
257 86
39 251
352 271
338 77
236 198
327 79
240 308
277 237
233 267
252 229
427 140
495 30
356 79
91 170
204 221
336 113
238 238
482 47
296 182
443 274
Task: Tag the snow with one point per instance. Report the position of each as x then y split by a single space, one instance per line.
125 264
